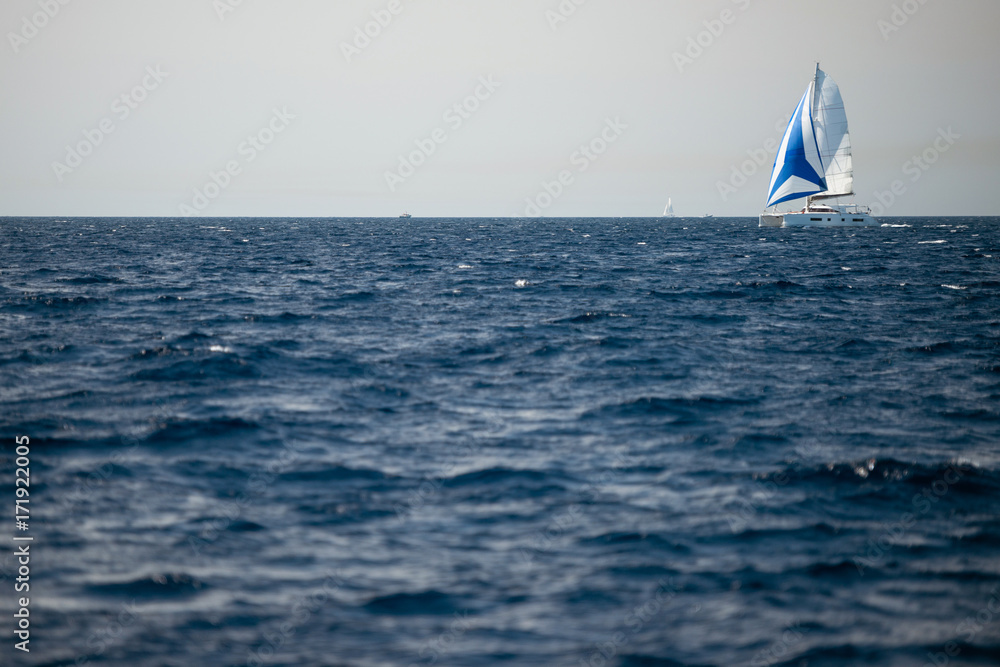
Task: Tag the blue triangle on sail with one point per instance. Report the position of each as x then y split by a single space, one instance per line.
796 163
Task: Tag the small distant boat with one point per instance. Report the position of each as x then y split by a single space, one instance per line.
668 212
815 161
406 215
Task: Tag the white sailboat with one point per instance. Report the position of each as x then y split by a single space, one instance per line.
668 212
815 161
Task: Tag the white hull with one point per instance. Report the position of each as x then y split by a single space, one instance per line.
826 218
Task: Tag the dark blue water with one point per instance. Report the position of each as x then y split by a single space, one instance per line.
481 442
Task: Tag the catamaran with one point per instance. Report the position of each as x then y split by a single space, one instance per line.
815 161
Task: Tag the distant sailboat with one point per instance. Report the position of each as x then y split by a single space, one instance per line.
815 161
668 212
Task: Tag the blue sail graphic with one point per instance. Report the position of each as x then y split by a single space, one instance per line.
798 169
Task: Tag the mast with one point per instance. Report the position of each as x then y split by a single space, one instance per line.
815 88
812 108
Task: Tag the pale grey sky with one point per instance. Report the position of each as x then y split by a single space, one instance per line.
201 77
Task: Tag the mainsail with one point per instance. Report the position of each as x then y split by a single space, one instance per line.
833 137
798 170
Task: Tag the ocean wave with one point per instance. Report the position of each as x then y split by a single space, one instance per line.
405 604
586 318
334 473
152 586
182 432
759 420
682 408
55 301
94 279
209 368
969 479
490 476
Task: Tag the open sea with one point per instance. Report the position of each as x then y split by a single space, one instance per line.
568 442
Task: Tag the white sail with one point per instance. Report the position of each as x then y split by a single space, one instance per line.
833 137
669 210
